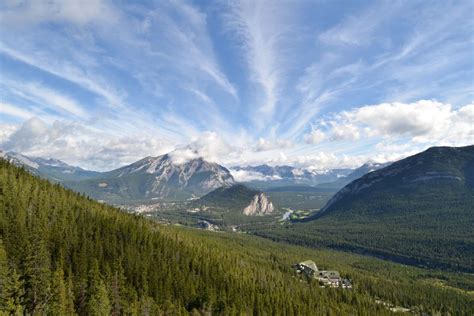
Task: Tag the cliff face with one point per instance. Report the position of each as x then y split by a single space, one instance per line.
238 198
260 205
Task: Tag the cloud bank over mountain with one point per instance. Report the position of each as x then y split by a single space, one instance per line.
100 85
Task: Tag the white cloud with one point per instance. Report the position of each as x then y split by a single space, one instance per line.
38 93
202 95
39 11
326 160
9 109
6 130
315 137
272 144
358 29
317 161
186 41
424 121
66 70
399 118
245 176
79 145
345 132
34 132
209 145
260 32
56 99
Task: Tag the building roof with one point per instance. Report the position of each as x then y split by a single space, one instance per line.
310 264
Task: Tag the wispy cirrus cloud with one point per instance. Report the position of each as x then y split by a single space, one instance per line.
67 71
37 93
11 110
406 67
359 29
261 27
192 44
280 81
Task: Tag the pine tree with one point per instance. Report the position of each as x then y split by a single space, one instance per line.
61 299
4 275
37 274
117 289
11 288
12 295
70 308
98 303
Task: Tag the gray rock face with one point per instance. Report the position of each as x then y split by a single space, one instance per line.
260 205
159 177
163 176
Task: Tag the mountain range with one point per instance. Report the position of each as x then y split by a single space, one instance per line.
355 174
163 177
49 168
64 254
418 210
149 178
265 176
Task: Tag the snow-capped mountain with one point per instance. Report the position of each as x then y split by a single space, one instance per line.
286 175
156 178
148 178
355 174
52 169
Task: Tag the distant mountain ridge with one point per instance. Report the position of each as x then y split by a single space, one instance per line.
49 168
149 178
163 178
265 175
437 166
418 210
156 178
355 174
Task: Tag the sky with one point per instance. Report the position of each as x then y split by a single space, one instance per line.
314 84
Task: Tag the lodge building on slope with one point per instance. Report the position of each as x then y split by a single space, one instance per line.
325 278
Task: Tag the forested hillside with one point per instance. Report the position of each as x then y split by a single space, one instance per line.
419 210
62 254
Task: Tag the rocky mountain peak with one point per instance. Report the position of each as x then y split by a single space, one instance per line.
260 205
163 177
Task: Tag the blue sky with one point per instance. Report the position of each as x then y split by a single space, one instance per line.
317 84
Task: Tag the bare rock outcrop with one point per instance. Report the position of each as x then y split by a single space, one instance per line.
260 205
